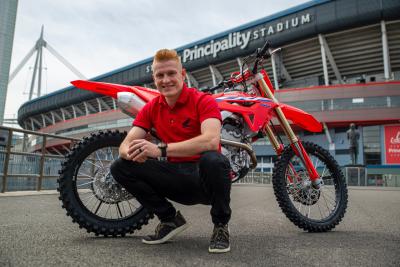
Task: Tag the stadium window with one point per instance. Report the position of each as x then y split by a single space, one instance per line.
395 101
341 129
342 152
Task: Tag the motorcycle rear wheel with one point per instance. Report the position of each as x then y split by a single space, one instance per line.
90 194
311 209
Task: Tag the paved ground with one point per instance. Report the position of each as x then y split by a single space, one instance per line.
34 231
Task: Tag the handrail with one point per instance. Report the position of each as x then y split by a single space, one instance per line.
43 155
38 133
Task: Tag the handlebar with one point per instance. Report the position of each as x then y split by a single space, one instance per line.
216 87
260 54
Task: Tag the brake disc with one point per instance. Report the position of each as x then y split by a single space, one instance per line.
106 189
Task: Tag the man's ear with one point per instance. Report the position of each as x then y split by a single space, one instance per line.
184 73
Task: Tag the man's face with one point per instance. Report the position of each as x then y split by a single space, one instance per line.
168 77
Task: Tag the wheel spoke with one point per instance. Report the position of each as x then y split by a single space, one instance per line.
80 173
100 160
94 164
326 204
119 210
322 216
85 184
98 207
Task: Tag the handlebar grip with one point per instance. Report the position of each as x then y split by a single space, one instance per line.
264 49
218 86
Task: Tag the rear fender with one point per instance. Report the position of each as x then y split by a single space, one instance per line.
112 90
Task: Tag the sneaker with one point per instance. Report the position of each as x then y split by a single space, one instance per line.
220 239
167 230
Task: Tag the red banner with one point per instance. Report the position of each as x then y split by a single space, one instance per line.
392 144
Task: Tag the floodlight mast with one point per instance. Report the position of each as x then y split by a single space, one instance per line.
37 70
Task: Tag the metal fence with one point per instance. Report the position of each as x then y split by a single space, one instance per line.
38 169
256 178
33 170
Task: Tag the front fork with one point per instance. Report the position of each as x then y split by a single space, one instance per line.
296 145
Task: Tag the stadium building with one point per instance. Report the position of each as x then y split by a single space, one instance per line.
340 61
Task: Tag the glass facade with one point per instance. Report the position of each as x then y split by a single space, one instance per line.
348 103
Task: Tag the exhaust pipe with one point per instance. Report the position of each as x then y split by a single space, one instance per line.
246 147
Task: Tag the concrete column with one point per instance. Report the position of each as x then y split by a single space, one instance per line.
385 49
324 63
274 71
8 14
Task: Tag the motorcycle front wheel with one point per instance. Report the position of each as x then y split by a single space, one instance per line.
90 194
309 208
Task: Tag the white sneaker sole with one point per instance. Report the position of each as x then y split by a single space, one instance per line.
167 237
215 250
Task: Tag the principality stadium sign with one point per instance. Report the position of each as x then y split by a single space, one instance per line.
242 39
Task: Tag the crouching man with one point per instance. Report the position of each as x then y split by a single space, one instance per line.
187 166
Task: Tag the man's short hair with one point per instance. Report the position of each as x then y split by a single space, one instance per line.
166 54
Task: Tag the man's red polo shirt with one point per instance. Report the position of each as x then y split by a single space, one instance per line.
180 122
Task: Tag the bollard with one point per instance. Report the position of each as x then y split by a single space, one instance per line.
6 161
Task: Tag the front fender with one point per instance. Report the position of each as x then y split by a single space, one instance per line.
301 118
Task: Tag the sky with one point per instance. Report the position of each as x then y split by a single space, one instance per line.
98 36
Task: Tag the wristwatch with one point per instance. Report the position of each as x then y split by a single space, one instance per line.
163 148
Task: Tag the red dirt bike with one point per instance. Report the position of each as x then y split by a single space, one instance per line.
307 181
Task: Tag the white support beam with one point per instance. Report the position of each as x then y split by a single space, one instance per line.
86 108
66 112
89 106
35 68
324 63
53 120
76 108
282 68
240 63
192 82
73 110
189 83
32 125
54 113
37 122
328 136
40 51
99 105
66 148
328 53
102 103
22 64
385 49
216 75
48 119
43 120
62 114
284 71
276 83
57 151
114 104
64 61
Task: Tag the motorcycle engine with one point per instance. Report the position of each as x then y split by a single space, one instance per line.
233 130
